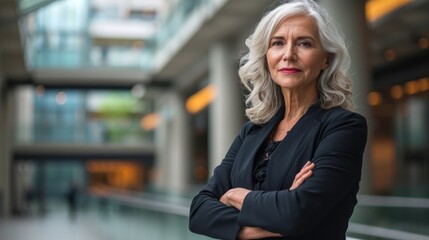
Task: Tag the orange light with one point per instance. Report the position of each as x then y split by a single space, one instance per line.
201 99
411 87
396 92
376 9
390 55
150 121
117 174
375 98
424 42
423 84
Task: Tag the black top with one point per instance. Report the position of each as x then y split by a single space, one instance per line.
261 166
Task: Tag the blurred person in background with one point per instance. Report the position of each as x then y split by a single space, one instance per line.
293 171
72 199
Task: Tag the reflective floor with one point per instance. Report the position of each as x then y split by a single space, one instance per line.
96 222
53 225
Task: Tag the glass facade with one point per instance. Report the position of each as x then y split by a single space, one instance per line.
83 116
89 36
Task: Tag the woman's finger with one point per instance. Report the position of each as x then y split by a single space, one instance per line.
303 175
307 167
300 180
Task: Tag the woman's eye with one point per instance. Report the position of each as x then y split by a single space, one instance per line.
276 43
304 44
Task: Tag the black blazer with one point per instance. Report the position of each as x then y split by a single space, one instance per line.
320 208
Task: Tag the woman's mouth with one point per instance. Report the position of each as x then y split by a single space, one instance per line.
289 70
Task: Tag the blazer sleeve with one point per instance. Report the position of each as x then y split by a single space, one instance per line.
338 160
208 216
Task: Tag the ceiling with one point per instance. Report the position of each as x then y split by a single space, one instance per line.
396 34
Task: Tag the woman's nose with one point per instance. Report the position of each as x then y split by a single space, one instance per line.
288 53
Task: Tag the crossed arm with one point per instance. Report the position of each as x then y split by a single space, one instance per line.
235 198
241 213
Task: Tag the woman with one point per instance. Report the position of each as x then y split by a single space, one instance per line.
293 172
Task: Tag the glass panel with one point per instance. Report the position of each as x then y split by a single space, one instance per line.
81 116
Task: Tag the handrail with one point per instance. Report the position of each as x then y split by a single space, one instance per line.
139 200
180 207
388 201
384 232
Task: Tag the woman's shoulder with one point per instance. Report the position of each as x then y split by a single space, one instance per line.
250 127
338 115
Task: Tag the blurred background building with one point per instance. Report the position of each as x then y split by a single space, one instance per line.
113 113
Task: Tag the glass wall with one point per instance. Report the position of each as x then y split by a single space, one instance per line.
91 34
82 116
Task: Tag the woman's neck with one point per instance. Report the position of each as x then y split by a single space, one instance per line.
296 105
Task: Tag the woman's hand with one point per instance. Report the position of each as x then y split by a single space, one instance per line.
234 197
303 175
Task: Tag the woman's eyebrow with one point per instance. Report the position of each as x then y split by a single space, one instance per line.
305 38
277 37
298 38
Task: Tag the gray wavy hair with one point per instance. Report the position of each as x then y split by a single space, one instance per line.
265 97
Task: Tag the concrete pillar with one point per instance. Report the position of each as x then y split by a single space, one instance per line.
173 144
350 15
226 112
6 131
2 148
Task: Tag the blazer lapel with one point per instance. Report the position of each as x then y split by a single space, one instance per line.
288 150
251 145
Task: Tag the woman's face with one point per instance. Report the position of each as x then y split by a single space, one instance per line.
295 56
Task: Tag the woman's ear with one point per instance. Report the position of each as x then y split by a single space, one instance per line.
325 66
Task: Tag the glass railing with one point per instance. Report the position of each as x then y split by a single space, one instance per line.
379 217
153 215
59 36
68 41
28 6
118 215
142 216
180 24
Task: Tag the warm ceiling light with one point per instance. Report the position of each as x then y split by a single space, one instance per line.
201 99
375 9
423 84
390 55
150 121
396 92
424 42
375 98
411 87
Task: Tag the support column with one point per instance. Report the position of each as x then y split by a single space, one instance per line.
226 112
350 15
6 117
3 170
173 144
